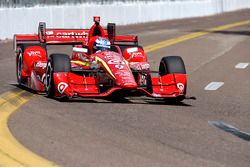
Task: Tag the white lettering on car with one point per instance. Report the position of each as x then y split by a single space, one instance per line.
119 66
130 50
34 53
50 33
116 61
71 35
137 54
40 64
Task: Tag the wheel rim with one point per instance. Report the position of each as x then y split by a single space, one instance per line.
19 68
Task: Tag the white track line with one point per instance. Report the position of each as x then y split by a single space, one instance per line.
214 85
241 65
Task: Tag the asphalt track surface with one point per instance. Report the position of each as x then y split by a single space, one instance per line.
143 132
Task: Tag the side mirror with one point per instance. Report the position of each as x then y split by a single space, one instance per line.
111 32
81 50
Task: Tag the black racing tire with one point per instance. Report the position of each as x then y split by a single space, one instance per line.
172 65
19 68
60 63
56 63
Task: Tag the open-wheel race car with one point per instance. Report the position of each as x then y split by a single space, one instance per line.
102 64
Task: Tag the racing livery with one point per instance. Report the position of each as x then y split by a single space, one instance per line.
102 64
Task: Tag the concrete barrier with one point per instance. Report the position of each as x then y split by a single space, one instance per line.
25 20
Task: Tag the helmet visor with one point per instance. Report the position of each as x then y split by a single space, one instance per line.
101 48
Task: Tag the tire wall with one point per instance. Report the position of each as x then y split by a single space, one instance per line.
25 20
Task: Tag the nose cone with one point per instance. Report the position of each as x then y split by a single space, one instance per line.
129 85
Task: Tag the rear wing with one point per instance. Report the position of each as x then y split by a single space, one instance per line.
51 36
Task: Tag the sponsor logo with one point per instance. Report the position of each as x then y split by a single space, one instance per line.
140 66
115 61
40 64
145 66
71 35
34 53
119 66
181 87
123 73
131 50
61 87
110 56
137 54
50 33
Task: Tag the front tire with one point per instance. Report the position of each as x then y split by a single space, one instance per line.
56 63
172 65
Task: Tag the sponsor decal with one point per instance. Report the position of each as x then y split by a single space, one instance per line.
40 64
143 80
140 66
145 66
50 33
34 53
81 50
137 54
123 73
181 87
119 66
61 87
71 35
110 56
130 50
115 61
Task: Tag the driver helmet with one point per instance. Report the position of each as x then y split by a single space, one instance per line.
101 44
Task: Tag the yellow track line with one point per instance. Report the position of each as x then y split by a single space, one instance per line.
13 154
183 38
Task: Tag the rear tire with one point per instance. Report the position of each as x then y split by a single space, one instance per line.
56 63
19 68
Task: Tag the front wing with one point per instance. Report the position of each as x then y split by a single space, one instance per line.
73 85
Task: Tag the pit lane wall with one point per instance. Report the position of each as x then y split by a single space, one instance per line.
25 20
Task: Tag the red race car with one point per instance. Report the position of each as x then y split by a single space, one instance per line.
102 64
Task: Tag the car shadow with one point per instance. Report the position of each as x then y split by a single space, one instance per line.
124 101
142 99
24 88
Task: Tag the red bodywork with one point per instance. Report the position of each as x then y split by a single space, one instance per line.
121 70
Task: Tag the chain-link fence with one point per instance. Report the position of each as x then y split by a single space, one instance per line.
30 3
